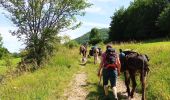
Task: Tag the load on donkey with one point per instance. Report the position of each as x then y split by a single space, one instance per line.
131 64
95 52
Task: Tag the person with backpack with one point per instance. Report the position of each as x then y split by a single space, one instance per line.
110 66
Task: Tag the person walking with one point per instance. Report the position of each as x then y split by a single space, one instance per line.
110 66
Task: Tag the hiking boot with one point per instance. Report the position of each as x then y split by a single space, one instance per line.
106 98
116 99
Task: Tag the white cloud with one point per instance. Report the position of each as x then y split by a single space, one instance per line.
74 33
95 24
95 9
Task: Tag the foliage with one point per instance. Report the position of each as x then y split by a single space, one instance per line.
0 41
138 21
164 20
39 22
94 37
3 50
16 55
71 44
103 33
8 61
117 25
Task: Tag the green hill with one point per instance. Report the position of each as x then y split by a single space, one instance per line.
103 33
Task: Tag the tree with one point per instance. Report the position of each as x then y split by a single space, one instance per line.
1 41
3 51
164 21
39 22
137 22
94 36
118 25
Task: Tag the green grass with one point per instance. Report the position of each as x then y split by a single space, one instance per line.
4 68
47 83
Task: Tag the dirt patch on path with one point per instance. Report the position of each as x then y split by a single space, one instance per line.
122 94
77 90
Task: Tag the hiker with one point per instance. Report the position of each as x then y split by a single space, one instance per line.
83 51
110 65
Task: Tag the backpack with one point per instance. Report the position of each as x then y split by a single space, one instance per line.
100 51
91 52
111 58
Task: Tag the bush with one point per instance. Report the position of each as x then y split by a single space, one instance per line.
71 44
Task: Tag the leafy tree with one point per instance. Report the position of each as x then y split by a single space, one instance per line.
71 44
3 51
85 38
39 22
137 22
117 25
164 21
1 41
94 37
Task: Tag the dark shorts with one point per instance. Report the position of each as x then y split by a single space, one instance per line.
109 74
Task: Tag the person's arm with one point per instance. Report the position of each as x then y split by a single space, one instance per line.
118 65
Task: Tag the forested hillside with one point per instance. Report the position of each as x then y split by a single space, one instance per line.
85 38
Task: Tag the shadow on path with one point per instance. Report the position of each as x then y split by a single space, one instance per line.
99 94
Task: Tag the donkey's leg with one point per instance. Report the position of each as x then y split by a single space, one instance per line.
95 58
132 76
127 82
143 81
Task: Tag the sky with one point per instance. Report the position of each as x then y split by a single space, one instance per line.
98 15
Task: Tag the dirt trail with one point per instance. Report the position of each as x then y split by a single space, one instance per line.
121 89
76 90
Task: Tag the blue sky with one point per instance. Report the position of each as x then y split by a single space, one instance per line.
98 15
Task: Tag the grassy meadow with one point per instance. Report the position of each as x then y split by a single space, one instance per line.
49 82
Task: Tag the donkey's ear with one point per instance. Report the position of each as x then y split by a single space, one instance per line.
147 57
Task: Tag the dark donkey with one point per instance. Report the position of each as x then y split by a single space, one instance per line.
133 62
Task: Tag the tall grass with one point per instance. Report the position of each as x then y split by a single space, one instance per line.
4 67
47 83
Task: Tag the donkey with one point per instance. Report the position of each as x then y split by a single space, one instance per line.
133 63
